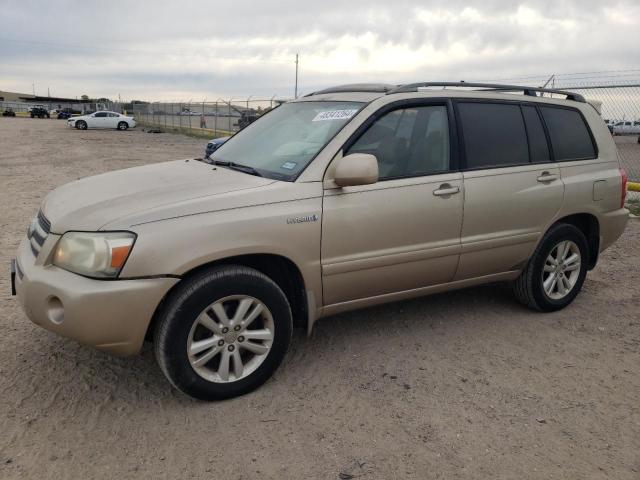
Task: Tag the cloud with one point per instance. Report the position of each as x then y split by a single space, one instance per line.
197 49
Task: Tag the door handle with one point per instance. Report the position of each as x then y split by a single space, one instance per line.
446 189
547 177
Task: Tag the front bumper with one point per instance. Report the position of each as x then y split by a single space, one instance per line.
110 315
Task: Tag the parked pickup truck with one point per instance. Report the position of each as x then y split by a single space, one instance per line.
40 112
627 128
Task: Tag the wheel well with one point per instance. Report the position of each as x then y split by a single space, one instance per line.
280 269
589 226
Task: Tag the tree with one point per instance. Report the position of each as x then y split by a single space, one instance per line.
85 98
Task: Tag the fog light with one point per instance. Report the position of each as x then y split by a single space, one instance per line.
55 310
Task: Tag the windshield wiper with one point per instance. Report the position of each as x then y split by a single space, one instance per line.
238 167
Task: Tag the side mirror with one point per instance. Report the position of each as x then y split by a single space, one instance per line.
356 169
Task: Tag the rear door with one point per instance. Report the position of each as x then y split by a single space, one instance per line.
112 120
512 188
403 232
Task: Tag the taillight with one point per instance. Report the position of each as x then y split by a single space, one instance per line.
625 179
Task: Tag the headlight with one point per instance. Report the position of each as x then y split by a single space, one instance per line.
100 254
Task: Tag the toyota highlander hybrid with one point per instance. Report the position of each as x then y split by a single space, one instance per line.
348 197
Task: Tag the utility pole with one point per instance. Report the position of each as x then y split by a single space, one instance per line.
48 92
33 87
296 90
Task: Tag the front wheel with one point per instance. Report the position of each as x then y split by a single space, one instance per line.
123 126
555 273
81 125
223 332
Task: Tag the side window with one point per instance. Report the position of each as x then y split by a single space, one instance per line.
408 142
494 134
101 114
538 148
113 115
569 136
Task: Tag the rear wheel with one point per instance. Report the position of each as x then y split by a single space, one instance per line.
223 332
556 271
81 125
123 126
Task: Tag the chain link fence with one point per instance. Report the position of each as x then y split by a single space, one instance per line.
214 119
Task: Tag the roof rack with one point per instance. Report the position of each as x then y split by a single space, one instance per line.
357 87
530 91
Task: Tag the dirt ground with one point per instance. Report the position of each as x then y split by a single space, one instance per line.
459 385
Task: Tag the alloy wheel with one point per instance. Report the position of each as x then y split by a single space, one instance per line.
561 270
230 339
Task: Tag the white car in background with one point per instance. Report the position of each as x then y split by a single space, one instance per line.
627 128
102 119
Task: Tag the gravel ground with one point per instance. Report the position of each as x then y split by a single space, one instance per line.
460 385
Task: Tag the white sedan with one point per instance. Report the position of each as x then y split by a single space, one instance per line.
102 119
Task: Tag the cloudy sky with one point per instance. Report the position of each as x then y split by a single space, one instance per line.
183 49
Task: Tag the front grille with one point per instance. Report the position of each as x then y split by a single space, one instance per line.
38 232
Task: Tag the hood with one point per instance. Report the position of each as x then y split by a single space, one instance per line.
92 202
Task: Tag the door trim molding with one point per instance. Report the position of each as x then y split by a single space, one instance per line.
378 261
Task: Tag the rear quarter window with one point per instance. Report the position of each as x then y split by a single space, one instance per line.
569 134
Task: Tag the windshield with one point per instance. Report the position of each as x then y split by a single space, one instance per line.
282 143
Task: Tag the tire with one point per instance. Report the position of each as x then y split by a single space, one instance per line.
185 319
32 115
529 288
123 126
81 125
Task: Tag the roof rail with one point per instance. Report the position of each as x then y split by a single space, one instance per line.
356 87
530 91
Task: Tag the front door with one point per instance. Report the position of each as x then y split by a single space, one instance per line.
403 232
99 120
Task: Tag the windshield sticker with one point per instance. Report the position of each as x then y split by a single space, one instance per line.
335 115
289 165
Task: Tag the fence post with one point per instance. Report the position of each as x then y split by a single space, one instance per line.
215 121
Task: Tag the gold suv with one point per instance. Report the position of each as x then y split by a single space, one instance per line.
349 197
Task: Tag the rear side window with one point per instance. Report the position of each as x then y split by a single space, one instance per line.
494 134
570 138
538 148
